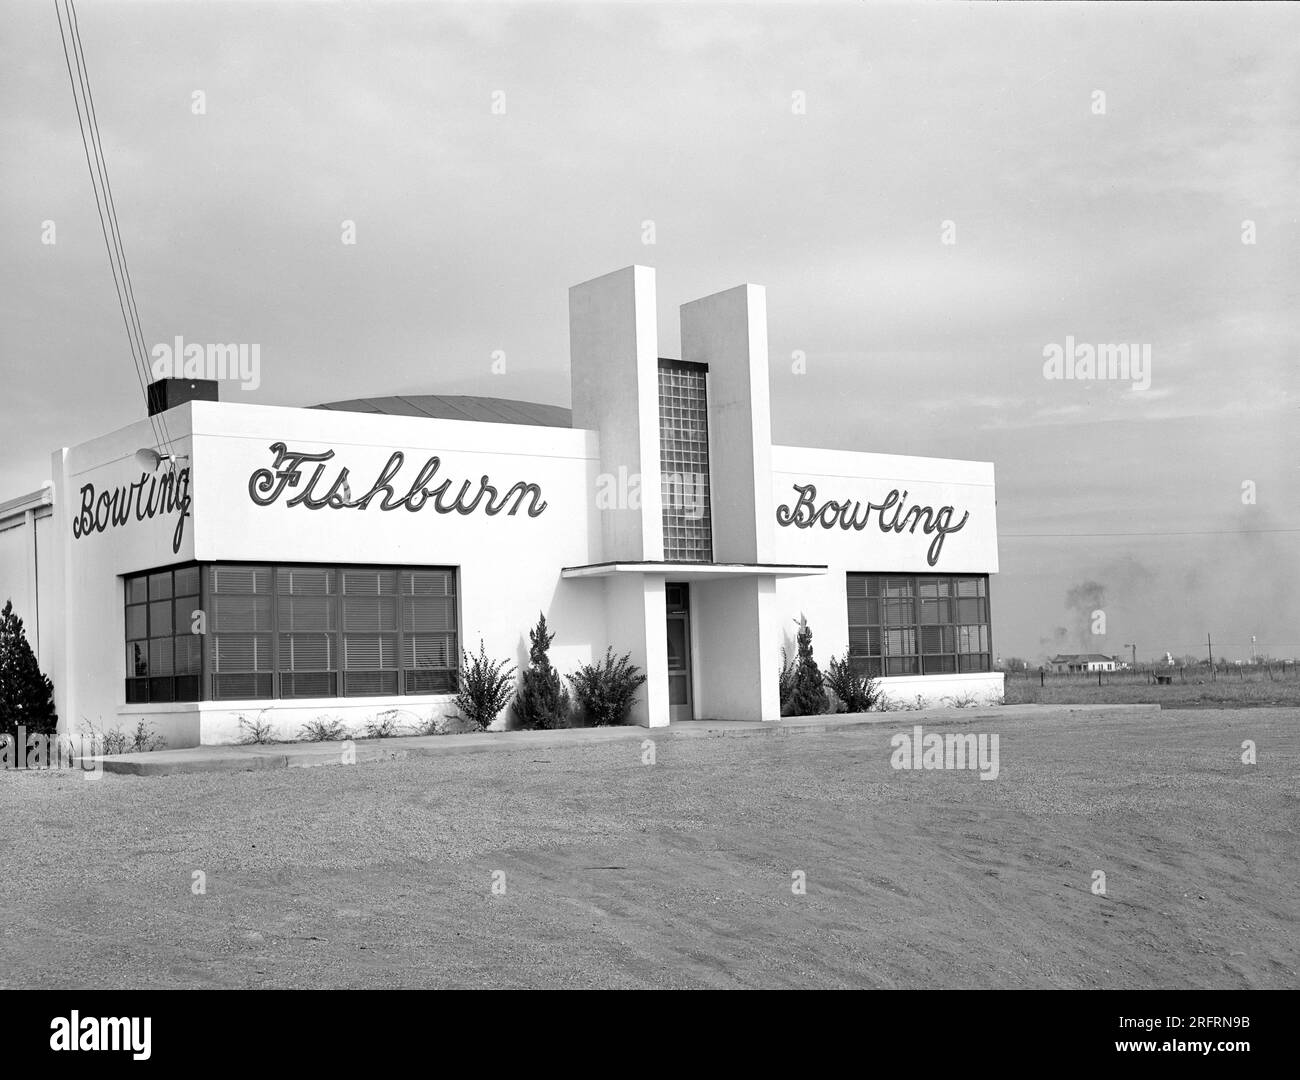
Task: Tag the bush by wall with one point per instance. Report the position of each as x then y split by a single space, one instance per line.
543 700
26 695
605 692
484 687
807 694
856 693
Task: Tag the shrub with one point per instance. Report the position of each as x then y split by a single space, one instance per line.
786 684
605 692
26 695
857 693
484 687
543 700
323 729
807 695
383 725
256 731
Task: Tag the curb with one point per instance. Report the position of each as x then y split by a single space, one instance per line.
316 755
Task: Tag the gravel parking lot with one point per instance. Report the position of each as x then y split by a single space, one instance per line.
679 874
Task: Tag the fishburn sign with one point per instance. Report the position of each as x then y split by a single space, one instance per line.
265 486
806 513
102 510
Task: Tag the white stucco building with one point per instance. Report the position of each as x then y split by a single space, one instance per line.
294 563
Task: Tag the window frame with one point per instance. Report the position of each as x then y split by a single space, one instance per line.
132 681
401 637
866 663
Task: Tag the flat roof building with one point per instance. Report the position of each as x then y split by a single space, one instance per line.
336 560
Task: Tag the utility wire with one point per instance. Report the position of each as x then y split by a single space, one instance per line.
84 70
109 229
76 101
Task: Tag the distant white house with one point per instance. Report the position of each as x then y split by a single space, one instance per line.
1076 663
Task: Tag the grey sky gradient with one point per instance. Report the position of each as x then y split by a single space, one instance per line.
1125 227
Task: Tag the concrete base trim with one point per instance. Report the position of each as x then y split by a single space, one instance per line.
308 755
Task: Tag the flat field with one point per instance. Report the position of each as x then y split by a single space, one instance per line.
1189 690
679 874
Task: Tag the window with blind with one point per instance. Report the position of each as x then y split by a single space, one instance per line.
919 624
292 632
163 654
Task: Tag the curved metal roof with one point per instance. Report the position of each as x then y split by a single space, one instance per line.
458 407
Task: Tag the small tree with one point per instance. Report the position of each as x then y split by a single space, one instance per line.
605 692
483 688
543 700
26 695
808 695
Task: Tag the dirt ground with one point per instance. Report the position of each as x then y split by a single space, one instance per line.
679 874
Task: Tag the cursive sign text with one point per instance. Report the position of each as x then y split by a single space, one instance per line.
168 494
853 515
265 486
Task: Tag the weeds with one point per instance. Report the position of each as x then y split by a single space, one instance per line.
323 729
256 731
111 742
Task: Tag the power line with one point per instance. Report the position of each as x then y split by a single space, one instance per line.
160 421
76 101
84 69
109 229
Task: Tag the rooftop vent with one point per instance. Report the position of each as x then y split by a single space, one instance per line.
166 394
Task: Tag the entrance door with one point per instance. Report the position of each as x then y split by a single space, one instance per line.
678 604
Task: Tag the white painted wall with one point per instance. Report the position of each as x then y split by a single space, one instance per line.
735 649
636 623
18 568
509 565
943 691
87 599
849 476
614 374
728 331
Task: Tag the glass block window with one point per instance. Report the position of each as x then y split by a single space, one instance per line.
163 655
919 624
684 462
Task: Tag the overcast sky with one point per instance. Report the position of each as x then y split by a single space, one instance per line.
1122 225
